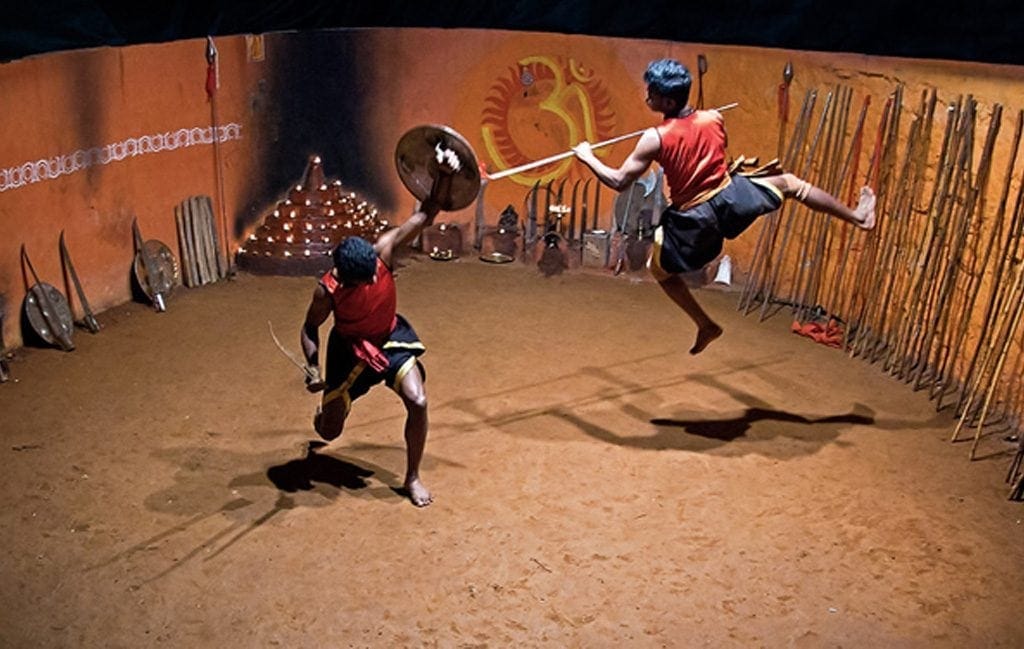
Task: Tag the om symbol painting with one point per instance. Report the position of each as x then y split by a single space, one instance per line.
541 106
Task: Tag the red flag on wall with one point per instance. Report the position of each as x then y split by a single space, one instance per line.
212 80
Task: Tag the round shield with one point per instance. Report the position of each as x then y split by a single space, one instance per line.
50 315
164 274
417 156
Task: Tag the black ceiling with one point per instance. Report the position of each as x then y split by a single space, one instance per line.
984 31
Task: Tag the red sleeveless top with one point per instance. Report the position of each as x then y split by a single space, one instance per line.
693 157
364 311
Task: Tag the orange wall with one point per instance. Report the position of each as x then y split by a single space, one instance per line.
582 87
58 104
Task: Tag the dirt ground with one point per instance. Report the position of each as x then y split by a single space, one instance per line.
595 486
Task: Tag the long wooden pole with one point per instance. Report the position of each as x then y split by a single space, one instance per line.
926 260
947 366
568 154
227 267
1011 331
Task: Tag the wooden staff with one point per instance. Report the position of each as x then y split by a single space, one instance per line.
836 300
853 320
1004 301
787 79
892 189
764 251
805 259
900 271
1001 258
943 217
947 363
869 272
894 320
889 246
788 223
817 293
958 249
505 173
818 289
1013 324
1017 479
212 84
954 251
926 257
768 223
815 245
907 297
1014 389
910 231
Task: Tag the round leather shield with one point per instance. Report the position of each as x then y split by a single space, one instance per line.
416 158
165 272
49 314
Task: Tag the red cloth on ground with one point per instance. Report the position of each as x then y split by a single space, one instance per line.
830 334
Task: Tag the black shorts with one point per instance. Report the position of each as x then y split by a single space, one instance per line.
687 241
349 378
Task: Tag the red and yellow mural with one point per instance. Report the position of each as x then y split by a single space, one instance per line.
544 104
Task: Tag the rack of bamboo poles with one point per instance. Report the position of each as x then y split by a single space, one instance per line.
934 295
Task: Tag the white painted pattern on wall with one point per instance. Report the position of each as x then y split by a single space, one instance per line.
50 168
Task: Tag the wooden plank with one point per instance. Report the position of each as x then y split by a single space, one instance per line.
186 271
199 225
222 262
211 246
196 239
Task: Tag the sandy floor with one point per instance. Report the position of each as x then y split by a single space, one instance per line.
595 485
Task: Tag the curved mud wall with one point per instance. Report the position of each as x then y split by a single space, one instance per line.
95 138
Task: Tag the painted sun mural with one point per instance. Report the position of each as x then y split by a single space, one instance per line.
541 106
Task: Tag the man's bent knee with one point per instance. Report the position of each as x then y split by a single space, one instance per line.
417 401
793 187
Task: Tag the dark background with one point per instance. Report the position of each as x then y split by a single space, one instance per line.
986 31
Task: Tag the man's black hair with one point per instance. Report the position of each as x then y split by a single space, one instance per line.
355 260
669 78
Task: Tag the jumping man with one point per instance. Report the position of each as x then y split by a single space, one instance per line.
707 203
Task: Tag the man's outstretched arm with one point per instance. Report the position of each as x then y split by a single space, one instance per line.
634 166
422 217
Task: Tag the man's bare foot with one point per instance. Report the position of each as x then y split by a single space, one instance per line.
705 335
418 494
865 210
